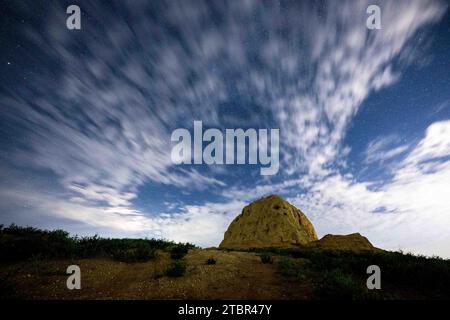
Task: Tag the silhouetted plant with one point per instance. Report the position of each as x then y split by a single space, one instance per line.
176 269
266 258
143 252
287 267
431 274
336 284
22 243
179 251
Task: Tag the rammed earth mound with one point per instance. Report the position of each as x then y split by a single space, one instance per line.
213 153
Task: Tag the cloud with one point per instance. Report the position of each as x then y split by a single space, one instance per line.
200 224
349 65
434 147
105 130
99 113
381 149
415 202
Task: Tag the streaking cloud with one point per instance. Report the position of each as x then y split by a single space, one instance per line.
89 130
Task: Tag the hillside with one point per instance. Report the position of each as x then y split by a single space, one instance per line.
156 269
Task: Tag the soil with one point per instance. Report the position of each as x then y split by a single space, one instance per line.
236 275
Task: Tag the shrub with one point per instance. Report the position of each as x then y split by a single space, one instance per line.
337 285
176 269
211 261
266 258
23 243
431 274
123 255
143 252
18 243
179 251
287 267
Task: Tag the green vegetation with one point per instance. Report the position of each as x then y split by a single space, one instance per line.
287 267
336 284
141 253
333 274
176 269
342 274
179 251
266 258
25 243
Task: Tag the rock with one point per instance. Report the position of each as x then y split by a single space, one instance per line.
269 222
354 242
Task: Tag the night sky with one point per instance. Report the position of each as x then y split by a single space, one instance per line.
86 116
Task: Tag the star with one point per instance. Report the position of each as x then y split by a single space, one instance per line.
8 63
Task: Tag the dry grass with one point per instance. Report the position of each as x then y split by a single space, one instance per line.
236 275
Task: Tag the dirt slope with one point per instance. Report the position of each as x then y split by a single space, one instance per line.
237 275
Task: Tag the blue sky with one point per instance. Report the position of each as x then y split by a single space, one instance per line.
364 116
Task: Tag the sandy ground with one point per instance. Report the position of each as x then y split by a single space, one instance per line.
236 275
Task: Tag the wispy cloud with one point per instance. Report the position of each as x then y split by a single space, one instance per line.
416 199
383 149
100 112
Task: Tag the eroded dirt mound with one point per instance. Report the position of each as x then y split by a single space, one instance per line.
269 222
354 241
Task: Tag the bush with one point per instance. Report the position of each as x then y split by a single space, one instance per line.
179 251
143 252
287 267
431 274
211 261
176 269
23 243
337 285
266 258
17 243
